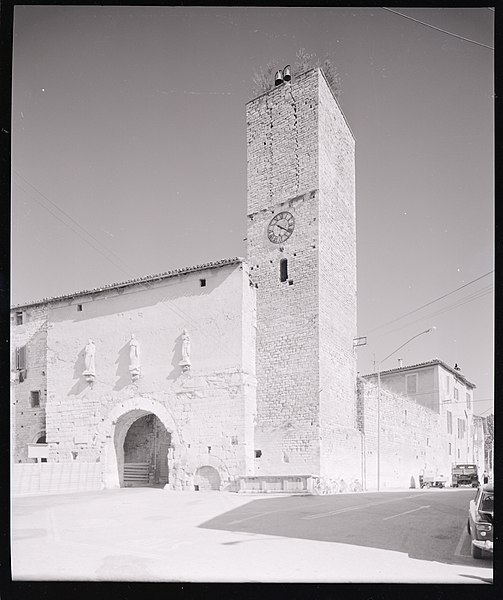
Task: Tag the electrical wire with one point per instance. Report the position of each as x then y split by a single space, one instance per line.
430 302
442 311
437 28
77 233
70 218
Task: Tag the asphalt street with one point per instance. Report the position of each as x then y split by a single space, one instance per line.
147 534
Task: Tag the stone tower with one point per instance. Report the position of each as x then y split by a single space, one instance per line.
302 256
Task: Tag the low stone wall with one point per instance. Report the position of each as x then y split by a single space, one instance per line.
55 478
270 484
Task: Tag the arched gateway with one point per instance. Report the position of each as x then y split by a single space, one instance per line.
140 437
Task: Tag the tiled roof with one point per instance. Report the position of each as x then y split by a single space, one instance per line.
435 361
210 265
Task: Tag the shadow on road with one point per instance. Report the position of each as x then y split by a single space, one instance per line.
364 520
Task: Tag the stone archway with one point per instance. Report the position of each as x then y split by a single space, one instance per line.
206 479
115 428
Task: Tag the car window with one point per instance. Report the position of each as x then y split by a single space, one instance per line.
487 503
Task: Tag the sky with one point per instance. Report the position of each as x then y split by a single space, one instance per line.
129 156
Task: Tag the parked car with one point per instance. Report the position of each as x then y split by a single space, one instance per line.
480 520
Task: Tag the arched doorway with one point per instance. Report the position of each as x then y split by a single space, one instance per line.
145 447
207 478
114 428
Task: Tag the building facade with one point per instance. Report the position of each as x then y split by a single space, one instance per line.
239 374
450 433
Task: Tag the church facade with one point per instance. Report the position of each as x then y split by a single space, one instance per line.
239 374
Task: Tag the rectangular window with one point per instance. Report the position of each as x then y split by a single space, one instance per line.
283 269
35 398
468 401
202 282
447 383
450 449
79 307
461 428
411 384
234 440
19 318
456 394
449 421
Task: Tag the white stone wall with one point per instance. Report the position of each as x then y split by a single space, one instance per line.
340 449
208 409
29 423
411 439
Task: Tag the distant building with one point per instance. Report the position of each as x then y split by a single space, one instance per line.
447 393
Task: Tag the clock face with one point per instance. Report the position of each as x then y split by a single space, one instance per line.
281 227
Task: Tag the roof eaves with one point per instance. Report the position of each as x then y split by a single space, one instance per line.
166 275
435 361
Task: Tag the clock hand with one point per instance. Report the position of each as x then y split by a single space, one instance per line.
281 227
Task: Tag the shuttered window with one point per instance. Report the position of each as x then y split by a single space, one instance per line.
411 384
21 362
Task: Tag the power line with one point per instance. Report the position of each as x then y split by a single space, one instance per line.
56 216
70 218
431 302
458 304
437 28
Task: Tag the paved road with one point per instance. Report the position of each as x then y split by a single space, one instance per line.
154 535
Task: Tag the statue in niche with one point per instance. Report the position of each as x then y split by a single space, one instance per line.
185 362
134 357
90 367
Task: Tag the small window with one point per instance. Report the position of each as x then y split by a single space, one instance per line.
459 455
461 428
35 398
202 282
450 449
456 394
258 453
209 449
79 307
447 383
411 384
468 401
19 318
283 270
234 440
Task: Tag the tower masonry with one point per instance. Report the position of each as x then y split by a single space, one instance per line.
302 257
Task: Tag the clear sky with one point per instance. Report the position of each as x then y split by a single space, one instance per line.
129 156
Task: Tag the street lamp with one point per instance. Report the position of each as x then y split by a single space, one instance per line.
379 400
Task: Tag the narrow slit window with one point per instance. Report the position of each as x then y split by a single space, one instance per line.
283 269
19 318
202 282
79 307
35 398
